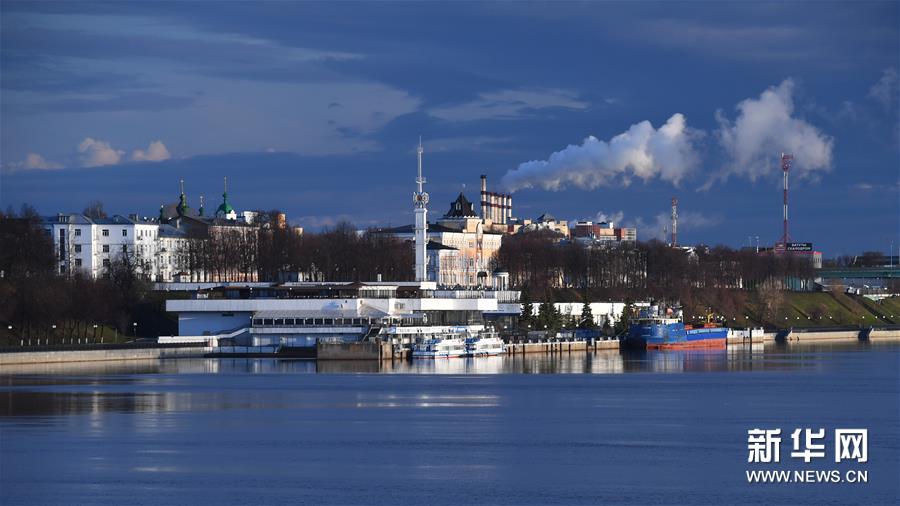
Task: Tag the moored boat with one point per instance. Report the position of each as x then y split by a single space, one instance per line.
485 345
447 346
653 330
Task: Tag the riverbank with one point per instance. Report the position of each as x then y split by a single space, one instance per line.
377 351
99 354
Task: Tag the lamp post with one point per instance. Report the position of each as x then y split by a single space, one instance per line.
10 329
53 331
134 329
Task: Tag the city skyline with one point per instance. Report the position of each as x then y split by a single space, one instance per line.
117 102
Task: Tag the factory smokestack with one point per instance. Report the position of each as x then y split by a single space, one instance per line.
484 206
496 207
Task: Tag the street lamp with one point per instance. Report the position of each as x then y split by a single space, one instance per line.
134 329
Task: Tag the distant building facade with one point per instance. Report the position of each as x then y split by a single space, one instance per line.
460 250
179 245
603 233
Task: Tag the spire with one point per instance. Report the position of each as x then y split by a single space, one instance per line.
162 213
182 202
200 211
225 209
420 201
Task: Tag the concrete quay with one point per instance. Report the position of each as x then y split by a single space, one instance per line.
379 351
100 355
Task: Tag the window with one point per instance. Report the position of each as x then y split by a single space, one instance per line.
77 232
105 262
77 248
77 262
105 232
106 248
124 248
124 232
257 321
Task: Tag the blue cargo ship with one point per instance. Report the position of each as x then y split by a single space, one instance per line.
655 331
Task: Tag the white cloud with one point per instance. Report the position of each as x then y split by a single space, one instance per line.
642 151
885 91
95 153
764 128
615 217
156 152
508 104
32 161
36 161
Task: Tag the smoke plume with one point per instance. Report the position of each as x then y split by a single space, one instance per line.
642 151
766 127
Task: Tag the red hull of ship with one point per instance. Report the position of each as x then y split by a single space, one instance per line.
689 345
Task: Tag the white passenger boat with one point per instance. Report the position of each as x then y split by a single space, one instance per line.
446 346
485 345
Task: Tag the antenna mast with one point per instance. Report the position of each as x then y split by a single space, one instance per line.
420 180
786 159
674 222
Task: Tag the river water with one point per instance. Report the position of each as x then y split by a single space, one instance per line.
604 428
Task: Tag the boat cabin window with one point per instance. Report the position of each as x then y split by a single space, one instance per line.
257 321
267 321
279 321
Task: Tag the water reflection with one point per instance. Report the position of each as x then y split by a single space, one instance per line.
154 386
471 430
771 356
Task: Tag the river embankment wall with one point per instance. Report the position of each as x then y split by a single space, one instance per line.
95 355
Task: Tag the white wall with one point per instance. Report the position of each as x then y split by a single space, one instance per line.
197 323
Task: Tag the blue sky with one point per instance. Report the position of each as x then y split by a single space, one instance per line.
585 110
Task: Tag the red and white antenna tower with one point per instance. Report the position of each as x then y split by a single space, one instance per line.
786 159
674 222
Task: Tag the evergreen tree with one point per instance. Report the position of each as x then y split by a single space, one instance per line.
622 323
587 317
545 315
556 319
527 317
